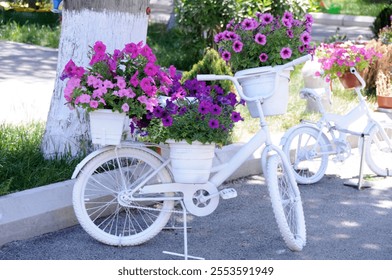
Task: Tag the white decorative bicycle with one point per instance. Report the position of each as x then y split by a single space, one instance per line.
124 195
309 145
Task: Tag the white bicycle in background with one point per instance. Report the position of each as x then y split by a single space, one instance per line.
124 195
309 145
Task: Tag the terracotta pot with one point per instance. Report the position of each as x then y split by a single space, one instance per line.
349 80
384 101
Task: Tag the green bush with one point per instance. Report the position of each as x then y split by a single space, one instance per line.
172 48
383 19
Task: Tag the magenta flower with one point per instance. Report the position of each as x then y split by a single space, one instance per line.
99 47
305 38
236 117
285 53
249 24
237 46
132 49
134 81
266 18
172 71
263 57
216 109
125 107
167 120
261 39
121 82
213 123
204 107
226 55
151 69
94 104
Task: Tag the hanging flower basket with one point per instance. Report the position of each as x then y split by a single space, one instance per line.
191 163
268 85
106 126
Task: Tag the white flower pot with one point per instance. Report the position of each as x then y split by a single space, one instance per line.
273 88
191 163
106 126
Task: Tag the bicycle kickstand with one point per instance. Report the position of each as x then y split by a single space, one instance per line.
361 184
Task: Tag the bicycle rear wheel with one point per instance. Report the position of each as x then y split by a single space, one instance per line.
308 154
101 203
378 153
286 202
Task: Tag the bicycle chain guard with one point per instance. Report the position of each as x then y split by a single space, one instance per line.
201 200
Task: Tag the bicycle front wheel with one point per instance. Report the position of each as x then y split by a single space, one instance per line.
308 154
286 202
378 153
104 209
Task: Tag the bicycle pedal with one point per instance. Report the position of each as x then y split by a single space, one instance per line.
228 193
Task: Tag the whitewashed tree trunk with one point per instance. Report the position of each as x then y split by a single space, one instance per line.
114 22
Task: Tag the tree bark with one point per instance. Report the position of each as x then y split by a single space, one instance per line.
114 22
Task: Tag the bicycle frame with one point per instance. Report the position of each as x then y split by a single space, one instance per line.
223 171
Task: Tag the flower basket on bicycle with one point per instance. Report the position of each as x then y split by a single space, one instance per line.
272 86
106 126
265 41
191 163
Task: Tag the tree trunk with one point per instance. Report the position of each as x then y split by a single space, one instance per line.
114 22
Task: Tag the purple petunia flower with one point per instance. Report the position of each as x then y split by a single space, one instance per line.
263 57
249 24
216 109
213 123
226 55
236 117
305 38
167 121
204 107
309 18
158 112
237 46
266 18
260 39
285 53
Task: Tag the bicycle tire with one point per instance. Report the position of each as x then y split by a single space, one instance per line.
98 201
309 165
286 202
378 154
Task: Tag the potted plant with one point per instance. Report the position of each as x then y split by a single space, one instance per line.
384 90
251 45
193 118
337 58
123 83
264 40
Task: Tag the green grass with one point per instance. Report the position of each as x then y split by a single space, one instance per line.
358 7
34 34
22 165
